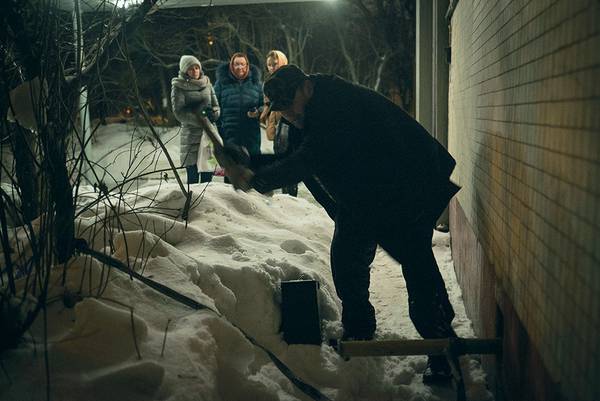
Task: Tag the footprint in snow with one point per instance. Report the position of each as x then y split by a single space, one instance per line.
225 243
239 257
294 246
241 204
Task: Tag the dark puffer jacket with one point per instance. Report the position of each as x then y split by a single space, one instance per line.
236 98
375 160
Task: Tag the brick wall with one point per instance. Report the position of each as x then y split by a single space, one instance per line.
524 126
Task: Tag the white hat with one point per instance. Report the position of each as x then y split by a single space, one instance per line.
187 61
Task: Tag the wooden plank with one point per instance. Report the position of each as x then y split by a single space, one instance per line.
441 346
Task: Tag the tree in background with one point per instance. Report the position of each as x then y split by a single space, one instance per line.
125 58
45 69
391 24
370 42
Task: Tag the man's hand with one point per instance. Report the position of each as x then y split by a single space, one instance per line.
235 159
253 113
232 154
240 176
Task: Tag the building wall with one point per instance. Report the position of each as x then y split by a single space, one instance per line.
524 126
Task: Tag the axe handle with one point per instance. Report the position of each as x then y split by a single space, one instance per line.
211 130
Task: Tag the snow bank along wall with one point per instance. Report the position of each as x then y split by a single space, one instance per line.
524 126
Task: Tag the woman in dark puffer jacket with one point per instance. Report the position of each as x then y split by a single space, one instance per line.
239 93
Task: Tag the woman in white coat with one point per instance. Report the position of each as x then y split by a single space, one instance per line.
192 97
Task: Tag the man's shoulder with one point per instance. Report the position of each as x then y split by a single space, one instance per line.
328 86
320 80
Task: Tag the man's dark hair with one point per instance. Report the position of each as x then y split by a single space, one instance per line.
280 87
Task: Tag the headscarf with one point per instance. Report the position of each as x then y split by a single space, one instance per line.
279 56
281 61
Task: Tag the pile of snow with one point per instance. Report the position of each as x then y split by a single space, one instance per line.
232 255
126 341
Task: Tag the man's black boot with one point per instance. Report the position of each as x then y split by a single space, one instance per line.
437 371
357 336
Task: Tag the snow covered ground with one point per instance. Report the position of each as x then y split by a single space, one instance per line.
125 341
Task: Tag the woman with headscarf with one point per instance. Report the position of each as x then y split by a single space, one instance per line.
277 130
239 92
275 59
193 97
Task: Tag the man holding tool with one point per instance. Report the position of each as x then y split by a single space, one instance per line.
346 127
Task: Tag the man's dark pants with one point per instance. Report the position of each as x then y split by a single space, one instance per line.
352 251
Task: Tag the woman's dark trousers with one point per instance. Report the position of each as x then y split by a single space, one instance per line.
193 177
192 174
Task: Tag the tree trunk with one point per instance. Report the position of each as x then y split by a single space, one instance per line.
26 173
165 105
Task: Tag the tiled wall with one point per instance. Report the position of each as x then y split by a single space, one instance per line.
524 126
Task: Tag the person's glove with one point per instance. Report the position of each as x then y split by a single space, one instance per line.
209 113
216 113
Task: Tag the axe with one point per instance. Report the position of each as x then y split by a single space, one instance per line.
239 174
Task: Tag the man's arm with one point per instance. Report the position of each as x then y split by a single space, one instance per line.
321 195
288 170
318 191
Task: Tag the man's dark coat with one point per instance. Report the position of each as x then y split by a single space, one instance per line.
376 161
